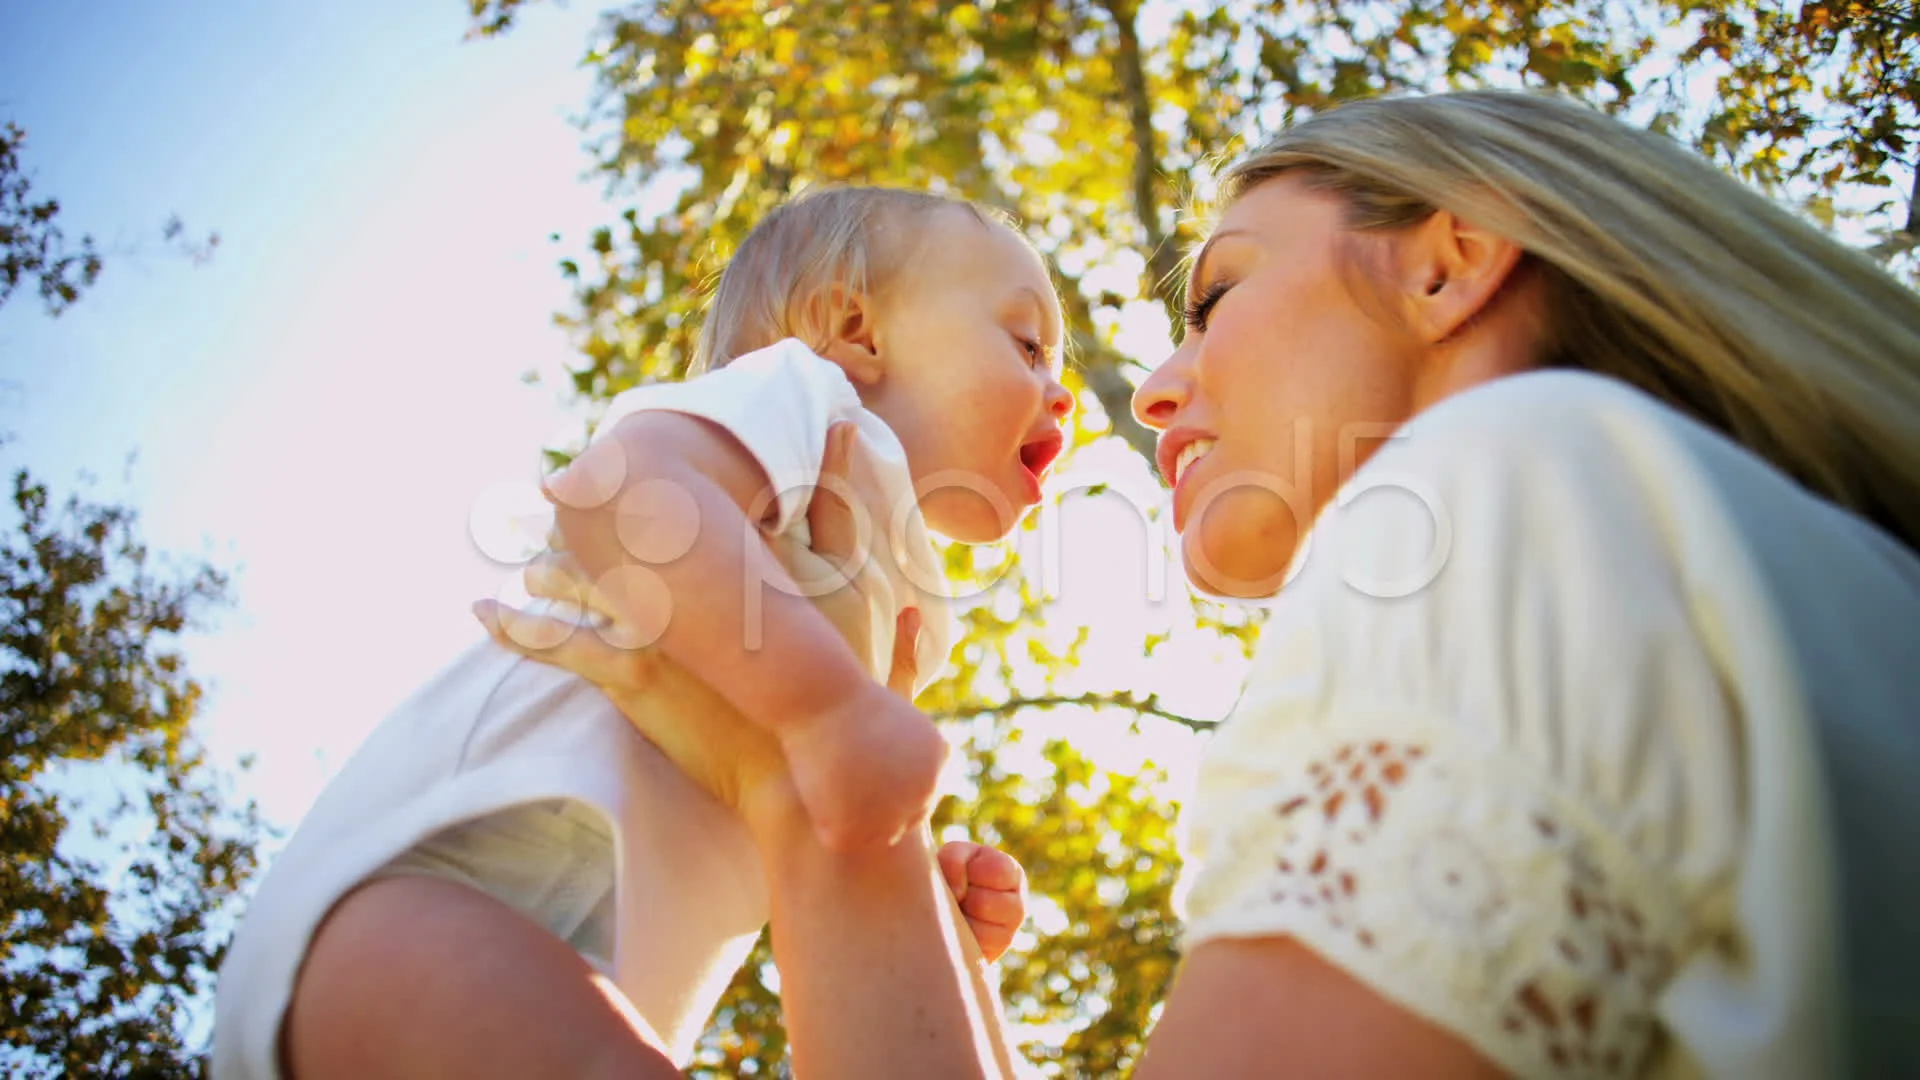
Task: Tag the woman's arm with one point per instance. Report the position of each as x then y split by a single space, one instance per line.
1270 1006
861 935
877 978
875 981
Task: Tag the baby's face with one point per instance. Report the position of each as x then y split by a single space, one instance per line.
969 336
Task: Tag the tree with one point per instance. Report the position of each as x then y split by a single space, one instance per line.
32 246
1093 122
101 952
118 842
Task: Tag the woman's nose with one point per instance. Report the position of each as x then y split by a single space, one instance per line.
1161 397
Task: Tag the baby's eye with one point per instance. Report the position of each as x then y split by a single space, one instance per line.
1036 356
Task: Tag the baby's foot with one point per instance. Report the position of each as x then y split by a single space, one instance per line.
866 774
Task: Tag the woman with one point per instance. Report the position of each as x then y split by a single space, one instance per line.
1594 483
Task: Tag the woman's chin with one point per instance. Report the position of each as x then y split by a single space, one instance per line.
1228 568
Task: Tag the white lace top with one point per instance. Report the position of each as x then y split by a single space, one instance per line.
1585 735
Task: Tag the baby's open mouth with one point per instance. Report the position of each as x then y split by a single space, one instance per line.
1039 454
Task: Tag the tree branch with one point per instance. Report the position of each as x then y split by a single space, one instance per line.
1100 366
1913 202
1140 706
1162 260
1116 399
1907 238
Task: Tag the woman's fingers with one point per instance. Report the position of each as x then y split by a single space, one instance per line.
592 479
906 654
830 513
557 575
560 642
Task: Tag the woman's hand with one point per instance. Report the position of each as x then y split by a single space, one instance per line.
737 762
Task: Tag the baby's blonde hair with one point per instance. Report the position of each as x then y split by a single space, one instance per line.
859 237
1660 271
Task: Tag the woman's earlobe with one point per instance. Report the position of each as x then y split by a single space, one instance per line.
1460 270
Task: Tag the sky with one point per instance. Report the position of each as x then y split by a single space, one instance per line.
322 405
335 406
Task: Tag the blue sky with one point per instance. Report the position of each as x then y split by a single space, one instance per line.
324 404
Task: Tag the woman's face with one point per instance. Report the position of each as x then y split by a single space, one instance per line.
1302 353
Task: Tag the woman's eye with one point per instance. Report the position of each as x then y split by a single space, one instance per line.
1201 306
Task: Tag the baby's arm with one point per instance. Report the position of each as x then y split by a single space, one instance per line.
676 491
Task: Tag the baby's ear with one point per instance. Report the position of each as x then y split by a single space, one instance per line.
843 327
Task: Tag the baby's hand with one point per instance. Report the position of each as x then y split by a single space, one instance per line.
991 890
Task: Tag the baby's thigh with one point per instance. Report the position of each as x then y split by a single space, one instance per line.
422 977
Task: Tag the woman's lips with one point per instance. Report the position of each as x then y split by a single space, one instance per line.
1180 450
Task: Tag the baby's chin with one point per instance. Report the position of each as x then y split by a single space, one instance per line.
969 516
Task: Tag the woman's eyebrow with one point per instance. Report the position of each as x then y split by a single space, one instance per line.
1200 264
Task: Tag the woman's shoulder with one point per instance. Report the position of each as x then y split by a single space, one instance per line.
1545 477
1552 427
1548 403
1512 579
1544 398
1537 473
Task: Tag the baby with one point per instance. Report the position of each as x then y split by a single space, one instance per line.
933 330
941 345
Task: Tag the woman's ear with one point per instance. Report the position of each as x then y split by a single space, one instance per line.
844 324
1453 270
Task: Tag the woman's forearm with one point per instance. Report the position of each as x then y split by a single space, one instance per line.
878 974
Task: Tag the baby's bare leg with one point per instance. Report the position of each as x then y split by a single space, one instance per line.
416 977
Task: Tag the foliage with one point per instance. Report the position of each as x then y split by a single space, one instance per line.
108 891
118 844
32 246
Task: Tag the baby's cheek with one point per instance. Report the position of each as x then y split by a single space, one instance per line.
963 506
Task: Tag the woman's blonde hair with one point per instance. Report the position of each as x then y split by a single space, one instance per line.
1660 271
852 236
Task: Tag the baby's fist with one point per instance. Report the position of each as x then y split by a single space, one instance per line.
991 889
